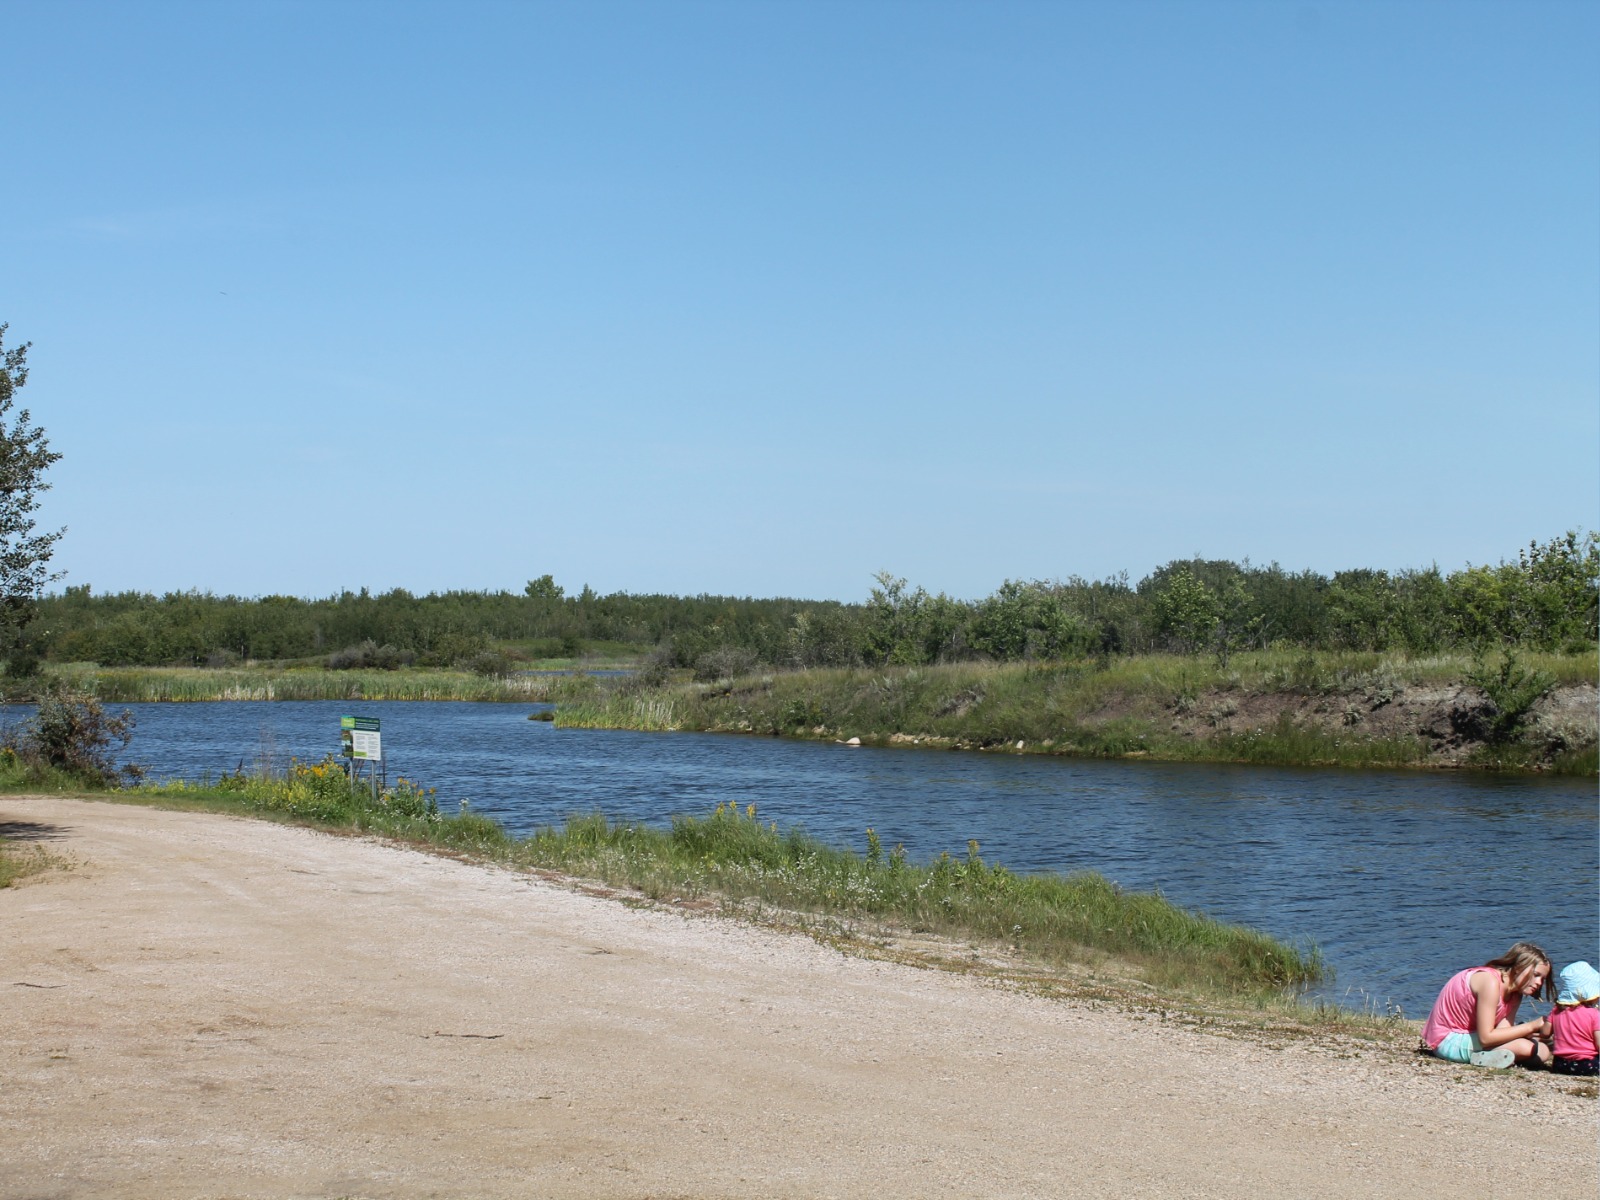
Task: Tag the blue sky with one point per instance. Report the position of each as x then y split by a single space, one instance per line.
761 298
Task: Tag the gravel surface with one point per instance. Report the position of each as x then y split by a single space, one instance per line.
206 1006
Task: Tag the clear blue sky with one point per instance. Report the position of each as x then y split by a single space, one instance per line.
761 298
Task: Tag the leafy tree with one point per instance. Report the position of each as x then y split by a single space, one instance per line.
25 455
1185 612
1564 604
1030 620
910 627
1363 610
544 588
1238 622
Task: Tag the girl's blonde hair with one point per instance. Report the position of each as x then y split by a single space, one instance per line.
1519 958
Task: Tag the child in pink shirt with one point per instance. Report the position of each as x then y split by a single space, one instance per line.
1472 1020
1575 1022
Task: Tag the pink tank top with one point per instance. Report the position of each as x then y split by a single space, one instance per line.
1456 1009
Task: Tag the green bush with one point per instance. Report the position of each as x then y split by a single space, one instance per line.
71 732
1512 690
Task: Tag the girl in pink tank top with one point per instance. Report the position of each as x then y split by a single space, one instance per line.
1472 1020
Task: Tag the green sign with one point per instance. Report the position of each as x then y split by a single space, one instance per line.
359 738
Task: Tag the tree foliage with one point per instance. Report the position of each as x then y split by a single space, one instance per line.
1544 600
25 455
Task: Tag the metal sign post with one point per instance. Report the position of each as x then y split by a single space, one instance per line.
361 742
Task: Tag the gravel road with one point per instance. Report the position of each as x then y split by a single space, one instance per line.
206 1006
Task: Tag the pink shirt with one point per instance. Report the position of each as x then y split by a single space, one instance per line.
1573 1030
1456 1009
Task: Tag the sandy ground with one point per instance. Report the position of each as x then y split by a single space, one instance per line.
213 1007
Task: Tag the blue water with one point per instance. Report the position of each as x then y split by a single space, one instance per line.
1400 877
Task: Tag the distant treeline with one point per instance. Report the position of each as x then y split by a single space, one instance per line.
1545 599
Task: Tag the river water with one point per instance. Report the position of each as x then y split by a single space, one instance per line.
1400 877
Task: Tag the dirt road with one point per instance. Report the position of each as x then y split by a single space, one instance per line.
213 1007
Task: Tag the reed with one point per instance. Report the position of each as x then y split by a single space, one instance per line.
130 685
654 713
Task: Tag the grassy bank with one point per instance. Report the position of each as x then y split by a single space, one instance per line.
133 685
732 860
1292 708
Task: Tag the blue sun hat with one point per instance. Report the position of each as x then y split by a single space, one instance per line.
1580 983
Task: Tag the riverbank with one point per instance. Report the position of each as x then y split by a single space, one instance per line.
732 861
1348 710
281 1012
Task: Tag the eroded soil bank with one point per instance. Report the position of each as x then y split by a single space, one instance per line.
205 1006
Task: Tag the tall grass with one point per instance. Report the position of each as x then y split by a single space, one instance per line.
1049 919
128 685
652 712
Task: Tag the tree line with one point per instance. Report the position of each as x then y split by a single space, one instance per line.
1544 599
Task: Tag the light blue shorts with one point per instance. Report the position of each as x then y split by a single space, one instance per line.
1466 1048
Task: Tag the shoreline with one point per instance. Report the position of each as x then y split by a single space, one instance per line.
283 1012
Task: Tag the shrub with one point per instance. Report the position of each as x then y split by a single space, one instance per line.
494 663
1512 690
725 662
71 732
368 655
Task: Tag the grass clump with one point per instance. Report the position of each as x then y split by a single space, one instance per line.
323 794
18 862
1052 920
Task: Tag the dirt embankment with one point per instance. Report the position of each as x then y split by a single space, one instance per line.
208 1006
1453 721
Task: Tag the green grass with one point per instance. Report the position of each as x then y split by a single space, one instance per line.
1048 919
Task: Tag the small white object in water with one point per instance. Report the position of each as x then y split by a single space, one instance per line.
853 742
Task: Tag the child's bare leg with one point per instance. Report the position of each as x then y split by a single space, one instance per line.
1526 1048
